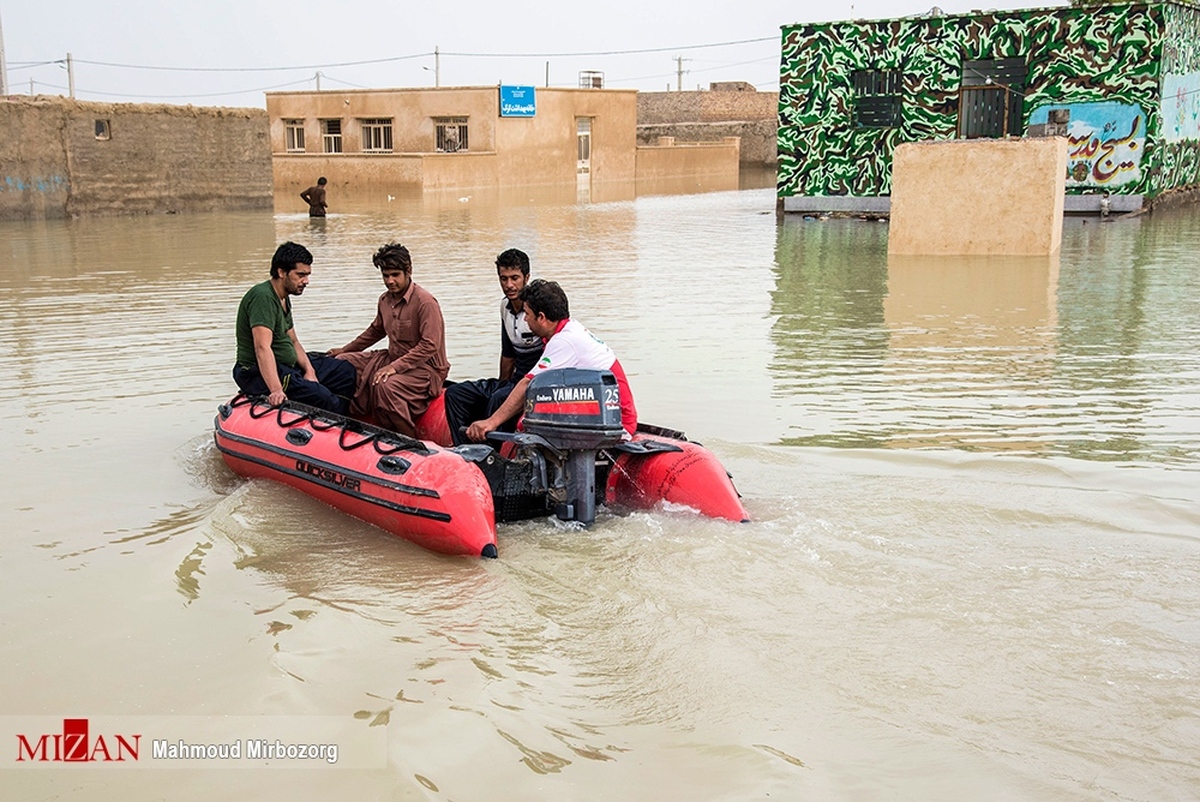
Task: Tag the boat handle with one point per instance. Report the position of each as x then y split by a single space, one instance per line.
299 437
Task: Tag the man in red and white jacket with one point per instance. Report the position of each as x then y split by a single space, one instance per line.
568 345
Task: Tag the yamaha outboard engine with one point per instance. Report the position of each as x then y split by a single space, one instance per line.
573 412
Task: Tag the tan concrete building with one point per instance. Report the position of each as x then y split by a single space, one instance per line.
467 137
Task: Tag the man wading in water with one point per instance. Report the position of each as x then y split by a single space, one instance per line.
315 198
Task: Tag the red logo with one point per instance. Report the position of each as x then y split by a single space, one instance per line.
73 745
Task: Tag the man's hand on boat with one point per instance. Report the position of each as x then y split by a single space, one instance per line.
478 431
276 398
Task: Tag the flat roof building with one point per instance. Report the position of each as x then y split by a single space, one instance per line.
1121 81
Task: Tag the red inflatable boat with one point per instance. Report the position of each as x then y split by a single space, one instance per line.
418 491
566 459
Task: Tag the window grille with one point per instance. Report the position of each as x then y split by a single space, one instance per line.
991 102
294 135
331 136
451 134
376 135
876 98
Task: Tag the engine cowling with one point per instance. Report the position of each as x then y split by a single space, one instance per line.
576 412
574 408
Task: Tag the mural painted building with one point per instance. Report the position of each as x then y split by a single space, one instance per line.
1121 81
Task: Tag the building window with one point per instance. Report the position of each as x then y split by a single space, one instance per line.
451 134
876 98
376 136
102 130
331 136
991 102
294 134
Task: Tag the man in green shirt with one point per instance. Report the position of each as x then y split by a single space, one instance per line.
270 360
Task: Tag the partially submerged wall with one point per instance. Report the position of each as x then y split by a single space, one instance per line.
66 158
978 196
758 137
669 159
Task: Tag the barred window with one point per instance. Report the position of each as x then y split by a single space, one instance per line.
876 98
331 136
991 102
294 135
376 135
451 134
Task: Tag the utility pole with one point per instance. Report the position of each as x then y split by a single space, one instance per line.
679 72
547 74
70 76
3 65
318 77
437 67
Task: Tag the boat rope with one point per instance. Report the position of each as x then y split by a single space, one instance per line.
384 441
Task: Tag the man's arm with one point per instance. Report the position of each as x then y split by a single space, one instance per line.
304 196
507 366
371 335
266 364
302 357
511 407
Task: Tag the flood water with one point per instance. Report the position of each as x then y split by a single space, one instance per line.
973 570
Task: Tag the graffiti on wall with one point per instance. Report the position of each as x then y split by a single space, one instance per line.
1181 107
1105 142
53 183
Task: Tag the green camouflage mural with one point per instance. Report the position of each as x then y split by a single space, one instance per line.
1105 65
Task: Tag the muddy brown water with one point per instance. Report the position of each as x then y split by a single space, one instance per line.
973 570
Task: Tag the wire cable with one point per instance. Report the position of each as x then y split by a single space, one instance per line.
581 54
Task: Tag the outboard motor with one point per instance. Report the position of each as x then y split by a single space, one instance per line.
573 412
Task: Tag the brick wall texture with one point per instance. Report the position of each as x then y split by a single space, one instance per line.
157 158
708 116
706 107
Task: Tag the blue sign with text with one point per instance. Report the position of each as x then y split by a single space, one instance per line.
518 101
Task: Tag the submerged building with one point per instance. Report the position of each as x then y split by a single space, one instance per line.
1121 81
476 137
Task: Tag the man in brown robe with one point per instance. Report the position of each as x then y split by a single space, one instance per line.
315 198
395 386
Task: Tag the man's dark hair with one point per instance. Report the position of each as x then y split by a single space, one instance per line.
547 298
321 180
287 256
393 256
513 258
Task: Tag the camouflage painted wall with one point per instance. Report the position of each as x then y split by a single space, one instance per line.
1096 58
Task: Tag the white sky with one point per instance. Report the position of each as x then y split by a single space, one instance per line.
233 50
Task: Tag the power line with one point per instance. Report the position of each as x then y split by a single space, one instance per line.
180 97
254 69
612 52
581 54
28 65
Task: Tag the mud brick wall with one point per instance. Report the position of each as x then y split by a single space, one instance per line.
706 106
759 137
156 159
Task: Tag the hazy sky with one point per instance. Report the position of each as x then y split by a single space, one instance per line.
227 52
